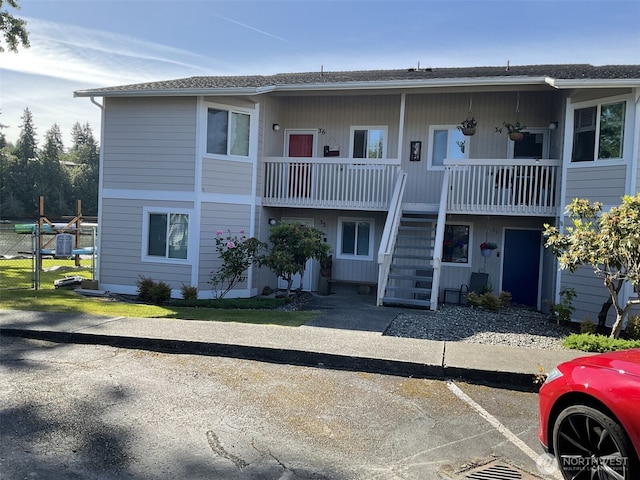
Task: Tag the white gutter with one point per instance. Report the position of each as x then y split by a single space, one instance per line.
329 86
171 92
593 83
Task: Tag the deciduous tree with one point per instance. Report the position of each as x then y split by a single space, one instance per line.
13 29
292 244
609 242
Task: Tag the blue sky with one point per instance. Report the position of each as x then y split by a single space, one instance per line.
95 43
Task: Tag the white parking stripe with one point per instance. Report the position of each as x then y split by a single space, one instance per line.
512 437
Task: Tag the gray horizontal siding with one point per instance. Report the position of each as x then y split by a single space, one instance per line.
591 294
150 143
214 217
226 176
489 109
121 246
604 184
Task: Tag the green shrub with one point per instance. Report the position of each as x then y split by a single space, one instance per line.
598 343
587 326
256 303
473 299
154 292
189 292
633 328
160 293
489 300
563 310
505 298
145 285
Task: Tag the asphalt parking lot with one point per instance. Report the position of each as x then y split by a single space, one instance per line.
87 411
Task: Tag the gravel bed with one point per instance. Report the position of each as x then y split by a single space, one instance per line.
512 326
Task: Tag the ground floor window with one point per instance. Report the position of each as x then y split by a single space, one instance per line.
355 238
455 248
166 235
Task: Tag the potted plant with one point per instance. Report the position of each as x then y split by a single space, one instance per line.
515 130
468 126
486 248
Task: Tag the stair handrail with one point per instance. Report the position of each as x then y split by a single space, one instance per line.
389 234
437 248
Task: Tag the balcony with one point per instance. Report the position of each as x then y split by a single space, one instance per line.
504 187
336 183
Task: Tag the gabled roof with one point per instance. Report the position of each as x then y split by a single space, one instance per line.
558 76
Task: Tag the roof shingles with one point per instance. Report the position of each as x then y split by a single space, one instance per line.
559 72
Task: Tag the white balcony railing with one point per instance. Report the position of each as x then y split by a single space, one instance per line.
507 187
329 182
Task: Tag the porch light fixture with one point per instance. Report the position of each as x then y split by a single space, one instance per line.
276 127
553 125
272 221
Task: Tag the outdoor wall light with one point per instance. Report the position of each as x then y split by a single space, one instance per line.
553 125
272 221
276 127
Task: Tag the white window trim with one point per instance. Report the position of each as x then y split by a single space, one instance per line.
384 128
372 237
432 129
300 131
146 211
230 109
627 145
469 262
533 130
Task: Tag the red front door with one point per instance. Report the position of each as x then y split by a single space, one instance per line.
300 145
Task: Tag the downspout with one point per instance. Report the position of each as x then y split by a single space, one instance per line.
99 105
403 102
567 144
100 185
634 164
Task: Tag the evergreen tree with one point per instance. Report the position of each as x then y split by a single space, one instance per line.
25 152
51 178
85 175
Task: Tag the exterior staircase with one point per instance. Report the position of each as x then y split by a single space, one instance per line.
411 274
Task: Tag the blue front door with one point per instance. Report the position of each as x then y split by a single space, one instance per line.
521 265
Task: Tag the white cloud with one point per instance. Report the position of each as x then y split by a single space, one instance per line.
97 57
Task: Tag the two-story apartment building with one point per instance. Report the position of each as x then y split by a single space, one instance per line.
376 160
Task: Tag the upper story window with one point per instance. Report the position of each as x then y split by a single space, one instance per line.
355 238
446 142
534 144
166 234
598 132
227 132
368 142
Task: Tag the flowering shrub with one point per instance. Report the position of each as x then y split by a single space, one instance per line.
237 253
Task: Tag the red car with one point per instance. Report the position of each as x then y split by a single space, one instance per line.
590 416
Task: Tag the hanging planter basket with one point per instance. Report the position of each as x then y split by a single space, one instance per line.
486 248
468 125
516 136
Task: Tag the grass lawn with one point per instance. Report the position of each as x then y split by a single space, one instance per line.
16 294
67 301
16 273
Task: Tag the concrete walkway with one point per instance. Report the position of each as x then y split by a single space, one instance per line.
347 336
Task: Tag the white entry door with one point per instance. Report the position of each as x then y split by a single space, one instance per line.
308 269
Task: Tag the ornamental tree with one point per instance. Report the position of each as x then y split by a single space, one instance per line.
292 244
237 253
608 242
